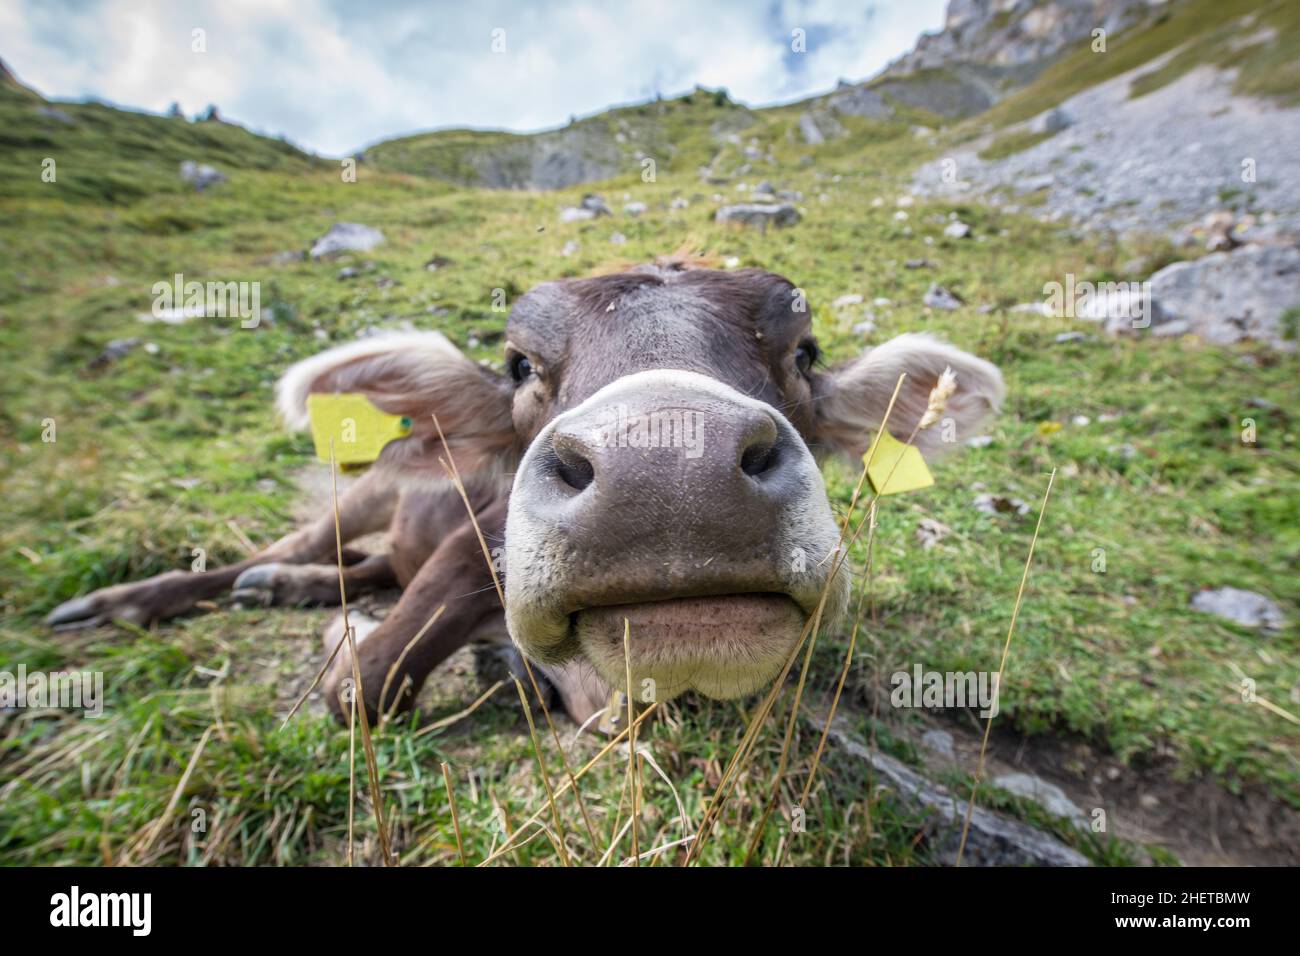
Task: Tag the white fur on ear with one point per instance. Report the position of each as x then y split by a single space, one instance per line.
859 393
421 354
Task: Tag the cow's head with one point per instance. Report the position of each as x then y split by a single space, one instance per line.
661 424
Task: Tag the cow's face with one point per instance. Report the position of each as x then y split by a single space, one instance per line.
665 421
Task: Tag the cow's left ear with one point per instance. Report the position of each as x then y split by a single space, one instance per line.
850 400
416 375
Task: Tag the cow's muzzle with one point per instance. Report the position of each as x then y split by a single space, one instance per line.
673 507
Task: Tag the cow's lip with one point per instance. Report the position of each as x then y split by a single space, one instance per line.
738 608
724 645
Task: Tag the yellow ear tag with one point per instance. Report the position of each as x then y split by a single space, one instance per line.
359 429
898 464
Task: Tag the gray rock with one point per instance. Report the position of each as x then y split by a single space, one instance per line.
1066 337
1049 796
1125 451
114 350
993 840
1225 297
846 300
759 214
595 204
957 230
346 237
940 741
575 214
634 208
618 239
1241 607
937 297
1049 121
930 532
200 175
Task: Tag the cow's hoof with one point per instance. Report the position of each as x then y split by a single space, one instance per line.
287 585
101 607
256 586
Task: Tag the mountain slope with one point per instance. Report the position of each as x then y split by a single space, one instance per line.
105 154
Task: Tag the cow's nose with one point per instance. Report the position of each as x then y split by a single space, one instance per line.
631 453
684 446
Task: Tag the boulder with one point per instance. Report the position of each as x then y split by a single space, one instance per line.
200 175
993 840
937 297
1047 795
1225 297
1241 607
759 214
1049 121
346 237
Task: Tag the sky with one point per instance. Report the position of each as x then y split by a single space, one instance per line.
336 75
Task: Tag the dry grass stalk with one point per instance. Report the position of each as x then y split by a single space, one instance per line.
633 781
1002 666
384 716
460 714
449 465
156 829
546 777
455 820
578 775
747 743
368 745
938 400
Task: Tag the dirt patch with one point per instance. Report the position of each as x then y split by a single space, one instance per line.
1198 821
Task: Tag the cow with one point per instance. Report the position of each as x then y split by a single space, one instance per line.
648 462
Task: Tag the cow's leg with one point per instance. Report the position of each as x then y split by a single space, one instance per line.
294 585
456 578
364 508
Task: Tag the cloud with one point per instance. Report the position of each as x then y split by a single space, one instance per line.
334 75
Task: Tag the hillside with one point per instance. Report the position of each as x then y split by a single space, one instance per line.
1122 689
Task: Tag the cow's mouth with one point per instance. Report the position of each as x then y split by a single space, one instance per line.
722 646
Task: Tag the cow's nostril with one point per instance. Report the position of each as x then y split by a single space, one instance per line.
759 458
572 466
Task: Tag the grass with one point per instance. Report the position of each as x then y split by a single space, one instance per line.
1008 144
175 447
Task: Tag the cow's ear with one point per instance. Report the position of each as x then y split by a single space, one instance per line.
851 399
417 375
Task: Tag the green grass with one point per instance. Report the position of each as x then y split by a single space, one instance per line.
1117 658
1008 144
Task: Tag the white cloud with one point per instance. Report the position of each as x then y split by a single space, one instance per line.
336 74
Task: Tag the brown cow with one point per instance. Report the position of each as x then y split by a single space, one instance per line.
648 456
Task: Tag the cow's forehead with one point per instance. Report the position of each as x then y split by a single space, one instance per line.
732 326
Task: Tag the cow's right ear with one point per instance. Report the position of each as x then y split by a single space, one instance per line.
417 375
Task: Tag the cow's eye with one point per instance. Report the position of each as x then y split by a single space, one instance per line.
520 367
805 355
